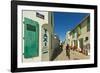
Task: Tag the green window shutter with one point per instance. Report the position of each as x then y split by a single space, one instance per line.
79 30
31 38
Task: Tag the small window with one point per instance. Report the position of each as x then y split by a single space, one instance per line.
86 38
31 27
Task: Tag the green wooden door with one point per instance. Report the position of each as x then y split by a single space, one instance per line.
31 36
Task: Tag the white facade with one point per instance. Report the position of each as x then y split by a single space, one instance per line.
85 36
81 41
67 39
44 22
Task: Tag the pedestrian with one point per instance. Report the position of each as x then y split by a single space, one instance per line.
68 51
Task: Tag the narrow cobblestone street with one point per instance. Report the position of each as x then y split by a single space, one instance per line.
74 55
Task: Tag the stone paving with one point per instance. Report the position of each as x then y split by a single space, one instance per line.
74 55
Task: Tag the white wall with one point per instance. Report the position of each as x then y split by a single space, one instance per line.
32 15
84 32
5 37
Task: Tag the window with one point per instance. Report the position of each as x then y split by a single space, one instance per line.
73 34
79 31
31 27
86 38
75 43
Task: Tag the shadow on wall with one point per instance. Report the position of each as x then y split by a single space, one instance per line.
56 52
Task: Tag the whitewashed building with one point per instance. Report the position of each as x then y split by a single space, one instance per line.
80 36
37 33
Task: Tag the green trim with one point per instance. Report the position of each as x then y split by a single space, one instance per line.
31 49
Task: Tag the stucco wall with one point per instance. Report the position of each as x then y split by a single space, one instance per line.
32 15
84 32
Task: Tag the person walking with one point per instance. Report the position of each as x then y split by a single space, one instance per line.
68 51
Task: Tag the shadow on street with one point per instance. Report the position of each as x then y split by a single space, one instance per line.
55 53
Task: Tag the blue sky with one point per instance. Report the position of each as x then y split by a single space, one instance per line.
65 21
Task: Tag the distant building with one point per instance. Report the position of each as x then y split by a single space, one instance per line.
67 37
80 36
37 29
